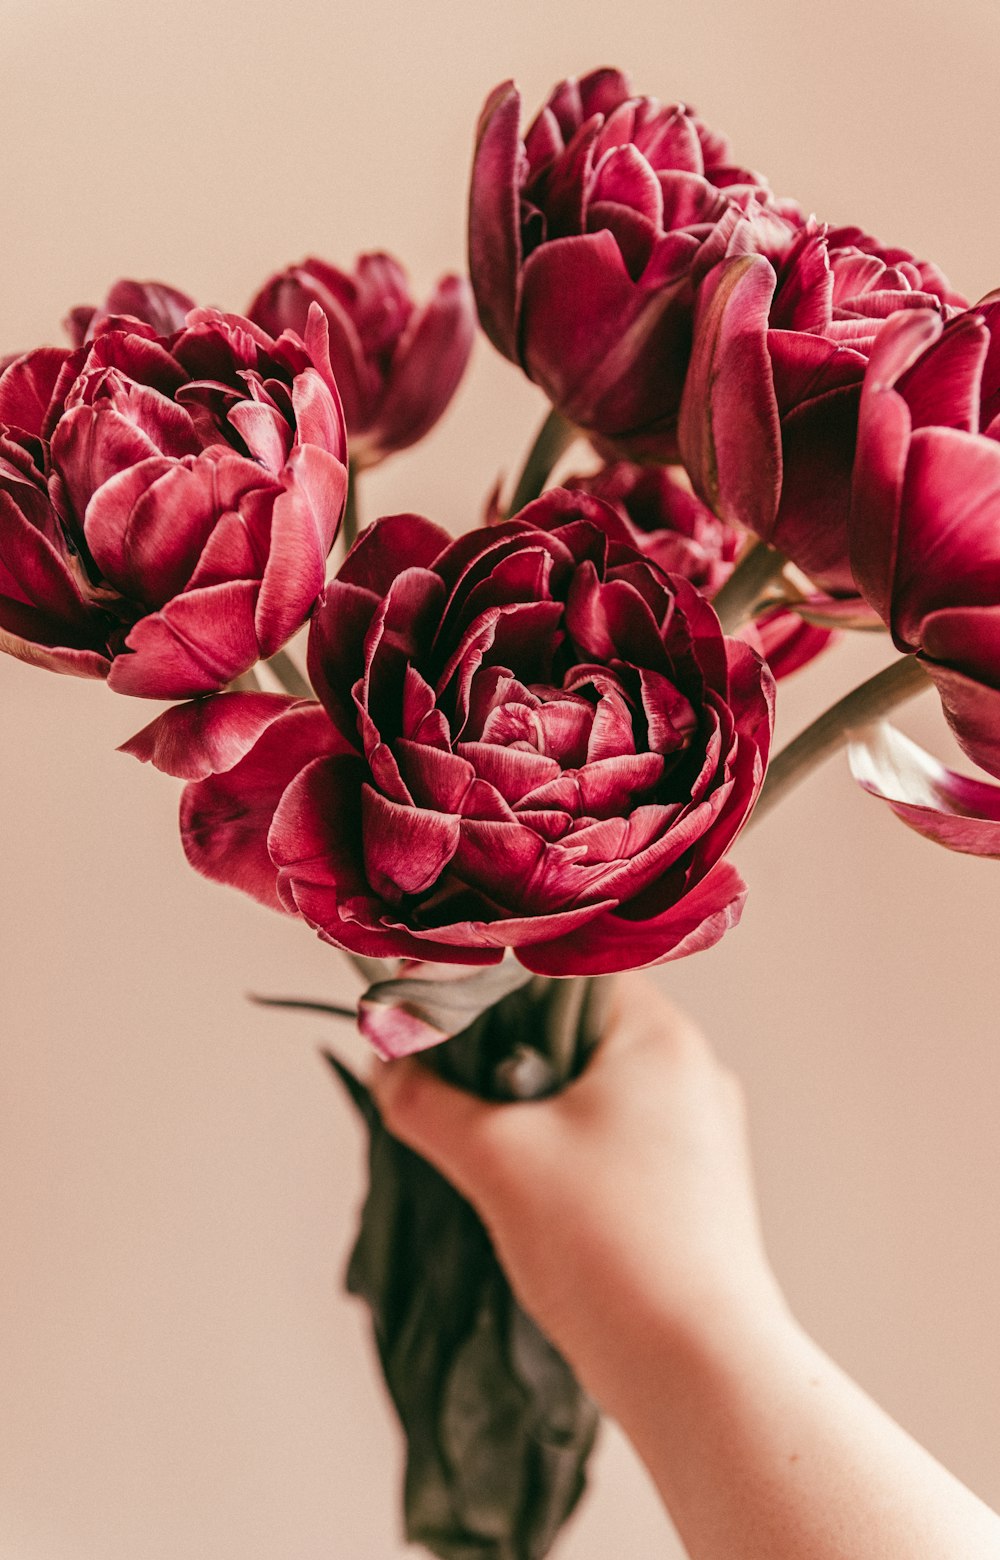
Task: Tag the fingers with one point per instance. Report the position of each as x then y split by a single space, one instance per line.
641 1015
462 1136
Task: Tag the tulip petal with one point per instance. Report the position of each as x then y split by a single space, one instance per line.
948 538
207 736
942 388
30 635
394 543
972 710
406 849
952 809
196 644
34 566
304 523
610 352
225 818
147 525
427 366
163 307
315 841
26 388
618 940
91 444
729 431
812 523
494 217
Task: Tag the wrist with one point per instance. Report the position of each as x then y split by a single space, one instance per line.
648 1340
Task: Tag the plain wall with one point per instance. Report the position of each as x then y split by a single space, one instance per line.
180 1376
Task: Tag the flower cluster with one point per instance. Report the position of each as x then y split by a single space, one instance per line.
540 736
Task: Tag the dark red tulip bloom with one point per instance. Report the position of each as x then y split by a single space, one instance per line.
667 522
581 241
168 502
786 319
397 363
925 522
528 738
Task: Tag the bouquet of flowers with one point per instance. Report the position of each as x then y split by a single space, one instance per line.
517 759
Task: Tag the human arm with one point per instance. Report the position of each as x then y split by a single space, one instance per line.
624 1213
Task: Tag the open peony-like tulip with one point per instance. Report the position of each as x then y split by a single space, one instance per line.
528 738
167 502
581 241
397 363
925 520
670 524
786 318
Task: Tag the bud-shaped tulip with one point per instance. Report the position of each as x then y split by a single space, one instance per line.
167 503
669 524
581 241
397 363
786 318
925 520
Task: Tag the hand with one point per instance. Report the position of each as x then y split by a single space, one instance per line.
626 1201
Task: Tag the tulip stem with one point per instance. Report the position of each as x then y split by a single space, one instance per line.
870 701
289 676
734 603
553 439
246 682
350 523
563 1012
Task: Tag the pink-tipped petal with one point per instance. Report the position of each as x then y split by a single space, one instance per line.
952 809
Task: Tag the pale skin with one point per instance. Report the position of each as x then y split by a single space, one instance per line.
625 1215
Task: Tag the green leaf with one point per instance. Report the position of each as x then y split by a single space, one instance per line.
498 1430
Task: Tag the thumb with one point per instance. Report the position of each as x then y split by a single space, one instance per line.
466 1138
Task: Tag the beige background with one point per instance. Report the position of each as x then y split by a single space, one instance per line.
179 1374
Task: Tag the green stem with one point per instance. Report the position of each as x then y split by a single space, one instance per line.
371 970
563 1013
289 676
245 683
350 523
869 701
735 602
553 439
596 1012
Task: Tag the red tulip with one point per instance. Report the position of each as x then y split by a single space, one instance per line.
168 502
397 364
529 738
786 318
925 521
668 523
581 241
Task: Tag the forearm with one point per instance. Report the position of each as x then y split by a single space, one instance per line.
762 1449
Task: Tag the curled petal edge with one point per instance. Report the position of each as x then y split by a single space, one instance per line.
207 736
957 811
